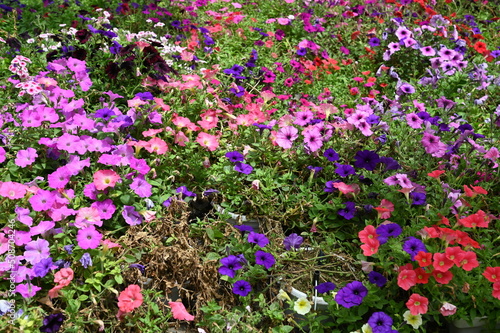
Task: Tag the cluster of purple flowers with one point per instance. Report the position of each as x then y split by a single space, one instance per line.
232 263
237 158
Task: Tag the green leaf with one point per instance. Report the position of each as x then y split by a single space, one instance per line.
119 279
210 233
83 297
212 256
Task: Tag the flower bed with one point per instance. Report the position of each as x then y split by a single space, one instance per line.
140 140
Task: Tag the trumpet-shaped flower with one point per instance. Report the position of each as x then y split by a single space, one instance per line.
414 320
130 298
105 178
417 304
302 306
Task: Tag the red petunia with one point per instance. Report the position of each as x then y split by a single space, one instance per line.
479 219
441 262
417 304
481 48
407 278
442 277
367 234
435 173
424 259
468 260
496 290
492 274
422 277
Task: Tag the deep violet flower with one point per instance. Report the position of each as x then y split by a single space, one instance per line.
243 168
376 278
331 155
325 287
235 156
230 265
242 288
380 322
265 259
349 211
386 230
366 159
52 323
413 246
352 294
374 42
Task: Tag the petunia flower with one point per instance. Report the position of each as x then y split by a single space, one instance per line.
179 312
88 238
130 298
302 306
242 288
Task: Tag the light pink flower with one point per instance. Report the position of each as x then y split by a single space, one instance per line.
448 309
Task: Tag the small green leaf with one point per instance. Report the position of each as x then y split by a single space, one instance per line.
119 279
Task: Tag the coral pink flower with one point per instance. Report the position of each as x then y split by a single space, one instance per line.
54 292
435 173
448 309
105 178
64 277
407 278
211 142
179 311
441 262
417 304
442 277
130 298
452 253
492 274
368 234
468 260
479 219
496 290
370 248
157 145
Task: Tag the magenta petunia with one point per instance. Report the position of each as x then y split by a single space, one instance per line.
26 157
285 136
2 154
88 238
42 200
106 208
59 178
27 290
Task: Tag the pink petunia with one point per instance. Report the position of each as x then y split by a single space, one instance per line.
105 208
86 217
64 277
209 141
59 178
105 178
285 136
12 190
179 312
27 290
157 146
36 250
2 154
130 298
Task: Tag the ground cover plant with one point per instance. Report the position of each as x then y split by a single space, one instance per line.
264 166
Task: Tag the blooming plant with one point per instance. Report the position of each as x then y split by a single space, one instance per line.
362 135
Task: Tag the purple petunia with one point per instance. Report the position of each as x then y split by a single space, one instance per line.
242 288
52 323
43 267
418 198
331 155
259 239
349 211
235 156
230 265
244 228
86 260
292 241
366 159
387 230
377 279
352 294
243 168
374 41
380 322
325 287
131 216
413 246
265 259
344 170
